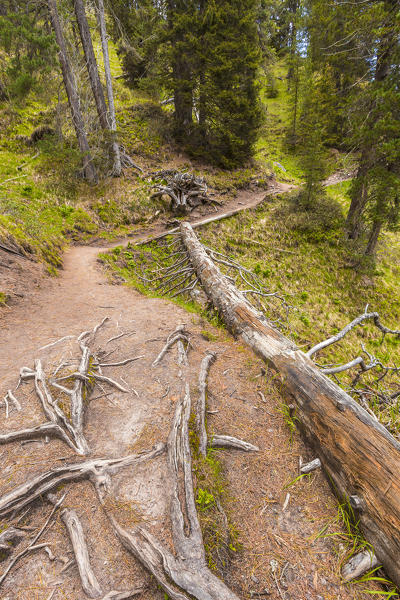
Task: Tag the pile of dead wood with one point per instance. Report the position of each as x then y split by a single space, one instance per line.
185 190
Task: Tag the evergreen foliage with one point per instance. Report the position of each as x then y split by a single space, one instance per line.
228 90
26 37
208 58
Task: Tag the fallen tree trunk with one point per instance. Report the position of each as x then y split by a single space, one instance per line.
359 456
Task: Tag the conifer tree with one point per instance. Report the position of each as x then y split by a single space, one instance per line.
229 88
375 118
26 37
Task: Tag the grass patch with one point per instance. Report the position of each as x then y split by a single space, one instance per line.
311 266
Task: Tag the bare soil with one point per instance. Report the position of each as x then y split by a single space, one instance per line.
280 555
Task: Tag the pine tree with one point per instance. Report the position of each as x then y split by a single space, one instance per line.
229 89
375 118
26 37
312 136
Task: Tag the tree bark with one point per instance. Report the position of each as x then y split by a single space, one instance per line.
89 170
183 97
359 456
91 63
117 168
358 201
373 238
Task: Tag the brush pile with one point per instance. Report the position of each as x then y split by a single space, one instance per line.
185 190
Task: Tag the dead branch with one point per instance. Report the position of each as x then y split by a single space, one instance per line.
97 470
72 523
359 564
66 337
227 441
311 466
10 396
356 451
113 595
173 338
202 401
12 250
358 321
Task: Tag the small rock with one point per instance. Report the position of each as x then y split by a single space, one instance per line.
254 578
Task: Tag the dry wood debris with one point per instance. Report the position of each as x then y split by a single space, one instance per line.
65 413
185 190
183 574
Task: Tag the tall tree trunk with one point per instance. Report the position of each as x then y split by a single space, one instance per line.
360 457
373 238
358 201
117 168
91 63
89 170
384 60
292 40
183 97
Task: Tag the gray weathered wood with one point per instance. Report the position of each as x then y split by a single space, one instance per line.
358 454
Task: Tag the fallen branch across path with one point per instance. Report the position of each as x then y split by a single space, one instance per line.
358 454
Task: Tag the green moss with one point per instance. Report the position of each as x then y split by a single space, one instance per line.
3 299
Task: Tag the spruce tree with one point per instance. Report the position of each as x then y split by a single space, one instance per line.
375 121
26 37
229 88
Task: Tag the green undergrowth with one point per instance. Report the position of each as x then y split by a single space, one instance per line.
272 150
138 267
302 254
220 534
347 541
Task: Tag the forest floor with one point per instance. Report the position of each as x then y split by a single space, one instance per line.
277 549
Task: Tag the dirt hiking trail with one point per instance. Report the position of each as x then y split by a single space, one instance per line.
278 554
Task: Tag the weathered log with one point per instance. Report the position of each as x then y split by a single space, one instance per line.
359 456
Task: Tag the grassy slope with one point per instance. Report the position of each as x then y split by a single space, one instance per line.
296 253
44 204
